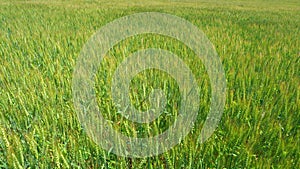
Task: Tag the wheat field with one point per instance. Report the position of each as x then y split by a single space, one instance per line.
258 43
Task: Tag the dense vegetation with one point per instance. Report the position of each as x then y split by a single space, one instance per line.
258 43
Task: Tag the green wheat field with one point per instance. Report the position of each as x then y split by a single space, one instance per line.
257 41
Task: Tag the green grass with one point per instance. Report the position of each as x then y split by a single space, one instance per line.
258 43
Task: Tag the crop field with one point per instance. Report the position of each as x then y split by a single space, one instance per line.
258 43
